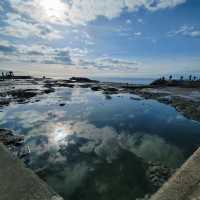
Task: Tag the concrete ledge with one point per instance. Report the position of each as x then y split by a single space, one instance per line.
19 183
184 185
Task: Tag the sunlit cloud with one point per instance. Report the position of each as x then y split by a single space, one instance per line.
81 12
79 34
42 10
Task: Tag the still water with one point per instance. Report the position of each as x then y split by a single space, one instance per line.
89 146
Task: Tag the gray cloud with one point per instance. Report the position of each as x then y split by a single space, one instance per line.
111 64
48 55
36 54
7 49
64 56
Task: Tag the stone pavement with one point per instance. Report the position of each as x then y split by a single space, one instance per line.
19 183
185 184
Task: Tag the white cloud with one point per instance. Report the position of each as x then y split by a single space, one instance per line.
162 4
137 34
185 30
39 54
21 28
83 11
111 64
68 56
36 18
52 11
128 21
140 20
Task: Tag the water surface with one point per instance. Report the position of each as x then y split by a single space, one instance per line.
91 147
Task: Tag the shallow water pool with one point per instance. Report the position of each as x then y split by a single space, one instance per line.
87 145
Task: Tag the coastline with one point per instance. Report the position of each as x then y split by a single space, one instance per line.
184 99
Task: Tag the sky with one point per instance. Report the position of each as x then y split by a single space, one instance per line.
121 38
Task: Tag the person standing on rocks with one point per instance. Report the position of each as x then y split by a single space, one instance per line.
3 76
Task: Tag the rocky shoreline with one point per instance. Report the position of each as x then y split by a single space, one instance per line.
184 99
15 144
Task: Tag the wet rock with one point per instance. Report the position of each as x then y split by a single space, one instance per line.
8 138
85 85
158 174
4 102
96 88
82 80
135 98
107 90
108 97
146 197
64 85
23 94
24 152
49 90
165 99
15 144
62 104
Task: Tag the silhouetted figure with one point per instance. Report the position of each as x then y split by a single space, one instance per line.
194 78
9 74
3 76
163 78
181 78
190 77
170 77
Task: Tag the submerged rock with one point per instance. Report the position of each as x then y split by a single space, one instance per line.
158 174
4 102
8 138
15 144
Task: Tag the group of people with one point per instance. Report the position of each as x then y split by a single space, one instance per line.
191 78
7 75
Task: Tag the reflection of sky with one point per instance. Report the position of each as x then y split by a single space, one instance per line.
90 128
90 112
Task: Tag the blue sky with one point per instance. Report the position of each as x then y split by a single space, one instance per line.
108 38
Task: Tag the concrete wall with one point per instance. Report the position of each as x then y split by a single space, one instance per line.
185 184
19 183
